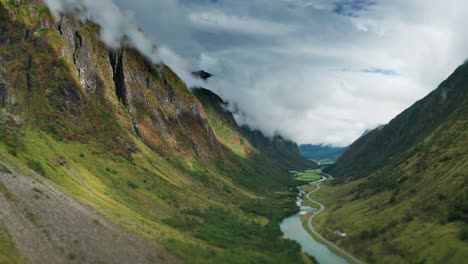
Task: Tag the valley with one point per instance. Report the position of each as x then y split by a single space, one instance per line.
314 233
314 243
108 156
399 193
132 152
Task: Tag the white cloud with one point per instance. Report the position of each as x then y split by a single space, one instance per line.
218 20
295 66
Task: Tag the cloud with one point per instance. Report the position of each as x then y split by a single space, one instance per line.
117 26
219 21
319 71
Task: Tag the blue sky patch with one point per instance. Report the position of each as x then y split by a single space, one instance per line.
351 8
381 71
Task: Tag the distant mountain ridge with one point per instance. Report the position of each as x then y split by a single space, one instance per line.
322 152
279 149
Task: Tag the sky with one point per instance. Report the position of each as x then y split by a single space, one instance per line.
314 71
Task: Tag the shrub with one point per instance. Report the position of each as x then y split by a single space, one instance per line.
464 233
38 190
132 185
13 3
4 169
111 170
36 166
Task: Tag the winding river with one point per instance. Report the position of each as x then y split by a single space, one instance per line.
293 229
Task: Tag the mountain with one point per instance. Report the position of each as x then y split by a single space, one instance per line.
323 153
202 74
107 157
224 124
402 188
284 152
247 142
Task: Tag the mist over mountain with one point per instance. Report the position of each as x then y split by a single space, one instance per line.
416 167
269 62
168 131
107 156
323 153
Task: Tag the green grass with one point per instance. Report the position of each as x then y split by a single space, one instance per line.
146 194
305 219
8 251
204 201
307 175
377 232
411 203
223 126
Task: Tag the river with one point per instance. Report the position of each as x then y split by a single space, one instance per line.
293 229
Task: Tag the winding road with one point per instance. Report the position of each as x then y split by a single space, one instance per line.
321 238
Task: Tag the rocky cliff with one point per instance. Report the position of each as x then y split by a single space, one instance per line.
129 149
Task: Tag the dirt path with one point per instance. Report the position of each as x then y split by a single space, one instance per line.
321 238
50 227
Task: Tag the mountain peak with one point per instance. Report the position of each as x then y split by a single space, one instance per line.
202 74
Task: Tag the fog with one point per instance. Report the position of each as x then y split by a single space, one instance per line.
314 71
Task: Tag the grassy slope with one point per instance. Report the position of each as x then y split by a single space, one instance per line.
226 210
224 125
8 251
227 132
246 142
390 144
414 207
379 232
284 152
307 175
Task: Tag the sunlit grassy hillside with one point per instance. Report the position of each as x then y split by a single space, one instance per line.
401 191
129 140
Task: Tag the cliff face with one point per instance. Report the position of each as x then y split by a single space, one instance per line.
110 130
150 99
65 64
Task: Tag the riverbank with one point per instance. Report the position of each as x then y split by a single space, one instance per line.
293 229
307 221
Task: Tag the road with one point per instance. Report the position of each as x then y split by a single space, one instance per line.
321 238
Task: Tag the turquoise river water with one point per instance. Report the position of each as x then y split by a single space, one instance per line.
293 229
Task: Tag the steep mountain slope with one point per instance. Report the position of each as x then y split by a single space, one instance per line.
403 195
130 143
247 142
224 124
324 153
414 125
284 152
